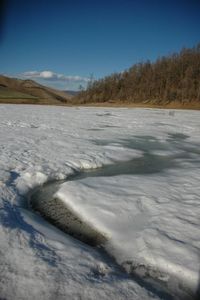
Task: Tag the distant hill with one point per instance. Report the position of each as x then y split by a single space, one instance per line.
71 93
13 90
172 81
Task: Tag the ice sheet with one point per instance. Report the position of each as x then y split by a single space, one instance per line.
151 217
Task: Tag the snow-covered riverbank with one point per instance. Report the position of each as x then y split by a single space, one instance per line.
144 197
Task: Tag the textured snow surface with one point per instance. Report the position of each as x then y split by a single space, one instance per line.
144 197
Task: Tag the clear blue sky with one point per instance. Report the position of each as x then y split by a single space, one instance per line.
75 38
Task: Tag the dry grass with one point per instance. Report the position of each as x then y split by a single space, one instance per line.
172 105
14 90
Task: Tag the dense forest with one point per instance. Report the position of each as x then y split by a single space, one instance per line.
174 78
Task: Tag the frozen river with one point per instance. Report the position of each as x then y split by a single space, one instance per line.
129 175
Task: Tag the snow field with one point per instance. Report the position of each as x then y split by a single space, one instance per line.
150 212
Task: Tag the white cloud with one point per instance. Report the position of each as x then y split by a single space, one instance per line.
49 75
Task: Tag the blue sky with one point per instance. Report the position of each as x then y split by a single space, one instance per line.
61 43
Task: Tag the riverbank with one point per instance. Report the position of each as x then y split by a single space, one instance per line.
171 105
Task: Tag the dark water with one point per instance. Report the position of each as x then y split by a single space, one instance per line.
57 213
64 218
53 209
148 164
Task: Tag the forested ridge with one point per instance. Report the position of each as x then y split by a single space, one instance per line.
174 78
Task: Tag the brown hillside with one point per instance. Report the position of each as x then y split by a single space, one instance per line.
171 81
13 90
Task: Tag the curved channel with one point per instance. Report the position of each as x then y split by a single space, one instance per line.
59 214
55 211
44 202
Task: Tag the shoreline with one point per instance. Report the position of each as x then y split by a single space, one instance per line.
172 105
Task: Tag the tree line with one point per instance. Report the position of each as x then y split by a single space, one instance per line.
171 78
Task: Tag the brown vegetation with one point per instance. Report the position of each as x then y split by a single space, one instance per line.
172 81
14 90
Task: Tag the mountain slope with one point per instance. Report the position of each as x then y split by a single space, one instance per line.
171 81
13 90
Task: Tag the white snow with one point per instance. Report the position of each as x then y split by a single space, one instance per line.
147 204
